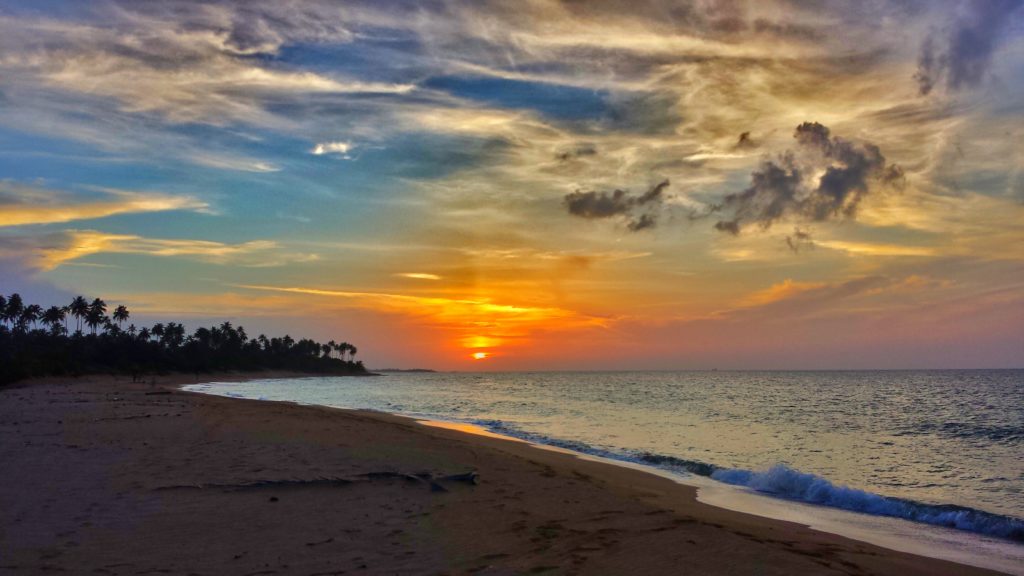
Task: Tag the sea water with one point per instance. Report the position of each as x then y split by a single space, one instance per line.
936 448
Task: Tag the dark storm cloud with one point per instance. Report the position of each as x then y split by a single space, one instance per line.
642 223
962 55
783 186
578 152
773 191
745 142
640 211
799 240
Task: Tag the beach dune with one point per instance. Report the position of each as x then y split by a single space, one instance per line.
103 476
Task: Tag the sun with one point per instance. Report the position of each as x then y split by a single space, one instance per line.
479 355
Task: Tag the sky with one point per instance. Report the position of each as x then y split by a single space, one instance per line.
539 184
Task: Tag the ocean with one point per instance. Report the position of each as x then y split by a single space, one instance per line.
937 448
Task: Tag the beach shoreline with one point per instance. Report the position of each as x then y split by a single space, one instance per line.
122 477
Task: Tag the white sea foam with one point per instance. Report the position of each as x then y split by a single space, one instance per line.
783 481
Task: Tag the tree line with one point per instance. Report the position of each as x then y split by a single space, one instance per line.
82 338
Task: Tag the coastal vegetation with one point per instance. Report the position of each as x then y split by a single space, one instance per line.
86 337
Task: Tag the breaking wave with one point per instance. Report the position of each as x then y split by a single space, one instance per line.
784 482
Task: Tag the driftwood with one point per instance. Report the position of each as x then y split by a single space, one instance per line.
428 480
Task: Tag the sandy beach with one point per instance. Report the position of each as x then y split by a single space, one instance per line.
106 476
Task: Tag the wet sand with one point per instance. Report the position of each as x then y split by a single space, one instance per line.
106 476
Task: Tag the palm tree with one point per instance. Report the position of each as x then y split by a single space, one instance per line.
176 334
94 318
97 314
32 313
3 310
120 315
79 307
352 352
53 316
13 310
172 335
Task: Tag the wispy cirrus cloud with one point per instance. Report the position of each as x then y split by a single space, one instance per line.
960 56
789 300
483 319
240 164
22 205
154 63
49 251
877 249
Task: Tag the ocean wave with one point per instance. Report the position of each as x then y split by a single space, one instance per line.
676 464
785 482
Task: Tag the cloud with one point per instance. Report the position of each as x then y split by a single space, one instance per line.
639 211
826 178
46 252
746 142
418 276
784 290
233 163
22 205
580 151
962 55
877 249
187 63
557 255
338 148
799 240
469 317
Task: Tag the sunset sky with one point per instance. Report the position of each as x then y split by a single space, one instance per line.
541 184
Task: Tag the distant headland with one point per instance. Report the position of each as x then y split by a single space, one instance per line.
404 370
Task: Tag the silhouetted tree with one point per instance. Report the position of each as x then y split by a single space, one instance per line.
13 310
31 313
25 353
53 317
96 314
120 315
79 308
